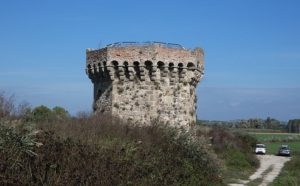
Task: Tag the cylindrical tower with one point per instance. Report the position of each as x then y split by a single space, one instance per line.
141 82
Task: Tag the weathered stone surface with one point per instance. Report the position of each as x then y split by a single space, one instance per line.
142 82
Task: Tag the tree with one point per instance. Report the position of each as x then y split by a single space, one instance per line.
255 123
271 123
60 113
6 106
24 111
294 125
42 114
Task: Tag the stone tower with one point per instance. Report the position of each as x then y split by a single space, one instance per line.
141 82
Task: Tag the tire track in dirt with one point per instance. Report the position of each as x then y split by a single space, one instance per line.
269 169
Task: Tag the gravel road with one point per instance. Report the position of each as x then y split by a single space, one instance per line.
269 169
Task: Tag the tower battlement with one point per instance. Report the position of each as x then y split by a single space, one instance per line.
145 81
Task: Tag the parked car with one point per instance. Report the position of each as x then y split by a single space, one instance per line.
260 149
284 150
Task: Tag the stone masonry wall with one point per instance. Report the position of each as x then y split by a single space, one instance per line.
143 83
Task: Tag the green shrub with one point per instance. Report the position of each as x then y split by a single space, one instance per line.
289 175
86 151
235 158
60 113
42 114
236 149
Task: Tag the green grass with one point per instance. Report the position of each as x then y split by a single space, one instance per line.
276 137
252 130
235 149
273 141
273 147
289 176
238 166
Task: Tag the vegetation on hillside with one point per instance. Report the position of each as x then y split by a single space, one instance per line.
9 111
252 123
236 150
289 175
87 152
294 126
45 146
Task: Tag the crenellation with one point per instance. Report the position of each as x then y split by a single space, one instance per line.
145 82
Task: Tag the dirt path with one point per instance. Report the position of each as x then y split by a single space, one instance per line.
270 167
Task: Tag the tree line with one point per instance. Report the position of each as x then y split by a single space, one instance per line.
292 126
10 111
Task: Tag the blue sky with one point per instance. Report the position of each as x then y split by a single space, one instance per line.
252 50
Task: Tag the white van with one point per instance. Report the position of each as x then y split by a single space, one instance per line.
260 149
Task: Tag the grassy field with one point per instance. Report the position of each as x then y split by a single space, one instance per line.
274 140
276 137
272 147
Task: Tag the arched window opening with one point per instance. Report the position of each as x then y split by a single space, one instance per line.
148 64
137 68
160 65
180 67
126 70
115 66
105 71
171 66
99 66
115 63
190 65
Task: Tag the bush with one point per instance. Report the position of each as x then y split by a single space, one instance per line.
236 149
86 151
6 106
289 175
42 114
60 113
12 113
